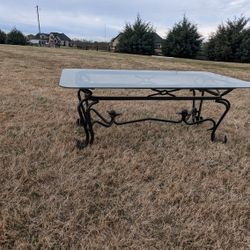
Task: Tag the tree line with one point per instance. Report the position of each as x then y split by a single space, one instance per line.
230 42
91 45
14 37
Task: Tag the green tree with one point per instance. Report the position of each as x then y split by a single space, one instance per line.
183 40
16 37
2 37
245 47
137 38
230 42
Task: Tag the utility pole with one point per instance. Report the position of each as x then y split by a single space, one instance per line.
105 32
38 19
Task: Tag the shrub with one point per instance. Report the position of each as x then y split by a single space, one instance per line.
231 42
2 37
137 38
183 40
16 37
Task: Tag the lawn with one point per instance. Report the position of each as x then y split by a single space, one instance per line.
143 186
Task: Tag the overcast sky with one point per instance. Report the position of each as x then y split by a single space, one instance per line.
103 19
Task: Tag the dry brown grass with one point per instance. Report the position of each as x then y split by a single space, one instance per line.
144 186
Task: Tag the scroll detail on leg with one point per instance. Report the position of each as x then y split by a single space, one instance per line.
84 120
227 105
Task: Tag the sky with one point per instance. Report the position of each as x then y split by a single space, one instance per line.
101 20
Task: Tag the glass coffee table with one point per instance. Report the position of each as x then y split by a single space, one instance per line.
163 86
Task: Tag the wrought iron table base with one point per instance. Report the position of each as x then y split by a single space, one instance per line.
85 109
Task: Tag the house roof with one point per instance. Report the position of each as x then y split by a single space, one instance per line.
38 35
158 39
61 36
113 39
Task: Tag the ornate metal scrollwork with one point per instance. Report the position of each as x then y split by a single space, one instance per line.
86 110
164 92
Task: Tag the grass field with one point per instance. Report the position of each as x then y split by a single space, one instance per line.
143 186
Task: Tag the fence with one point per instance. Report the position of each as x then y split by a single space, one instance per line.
93 46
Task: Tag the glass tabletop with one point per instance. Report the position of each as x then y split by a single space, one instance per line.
147 79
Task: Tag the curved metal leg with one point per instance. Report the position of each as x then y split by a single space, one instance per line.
199 117
196 111
82 121
89 120
85 121
185 117
227 104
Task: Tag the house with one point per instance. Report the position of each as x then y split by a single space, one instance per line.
158 41
114 42
53 39
43 36
158 44
34 42
40 39
59 39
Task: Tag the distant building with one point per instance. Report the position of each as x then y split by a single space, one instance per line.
59 39
34 42
53 39
158 44
40 39
43 36
114 42
158 41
